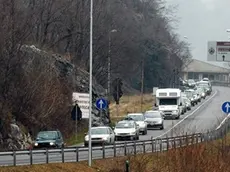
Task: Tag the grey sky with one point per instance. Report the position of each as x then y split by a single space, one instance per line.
201 21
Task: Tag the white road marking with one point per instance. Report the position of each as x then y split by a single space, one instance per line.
188 115
222 122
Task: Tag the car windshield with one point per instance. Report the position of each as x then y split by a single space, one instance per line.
191 81
152 115
125 125
137 117
98 131
47 135
203 84
168 101
189 93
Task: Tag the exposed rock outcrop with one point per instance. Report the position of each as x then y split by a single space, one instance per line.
16 139
76 75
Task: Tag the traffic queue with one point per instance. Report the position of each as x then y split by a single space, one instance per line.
170 103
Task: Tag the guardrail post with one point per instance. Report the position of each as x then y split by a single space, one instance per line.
135 147
31 157
125 150
186 138
14 158
77 155
167 142
114 150
143 147
174 142
161 146
180 141
103 150
63 155
193 135
47 156
153 144
197 137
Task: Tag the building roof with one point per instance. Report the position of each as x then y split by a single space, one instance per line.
200 66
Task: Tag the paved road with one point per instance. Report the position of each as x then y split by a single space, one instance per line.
204 116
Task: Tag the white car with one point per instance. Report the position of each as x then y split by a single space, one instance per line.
126 130
100 135
154 119
140 120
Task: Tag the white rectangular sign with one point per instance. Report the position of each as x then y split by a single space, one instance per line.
82 99
219 51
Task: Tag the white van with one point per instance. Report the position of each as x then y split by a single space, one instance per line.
169 102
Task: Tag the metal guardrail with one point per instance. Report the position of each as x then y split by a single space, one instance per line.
220 83
118 149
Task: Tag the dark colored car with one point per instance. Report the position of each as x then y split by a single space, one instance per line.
49 139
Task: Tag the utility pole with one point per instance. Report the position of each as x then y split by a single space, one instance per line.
142 82
90 83
174 77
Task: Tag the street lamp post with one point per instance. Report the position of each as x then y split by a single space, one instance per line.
109 64
90 82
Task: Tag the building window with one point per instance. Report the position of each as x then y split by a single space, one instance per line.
190 75
196 76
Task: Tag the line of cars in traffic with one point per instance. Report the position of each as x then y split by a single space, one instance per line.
169 103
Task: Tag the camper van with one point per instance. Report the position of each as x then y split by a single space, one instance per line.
169 102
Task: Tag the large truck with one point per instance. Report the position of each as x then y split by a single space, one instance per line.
169 102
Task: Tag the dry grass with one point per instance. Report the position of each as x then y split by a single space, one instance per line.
205 157
67 167
130 104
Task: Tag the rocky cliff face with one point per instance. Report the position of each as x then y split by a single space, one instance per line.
78 79
17 139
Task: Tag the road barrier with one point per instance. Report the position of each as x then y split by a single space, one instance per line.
29 157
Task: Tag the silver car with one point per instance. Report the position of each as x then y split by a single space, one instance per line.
100 135
154 119
126 130
140 120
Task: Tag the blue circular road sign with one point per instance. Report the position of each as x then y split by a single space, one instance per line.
226 107
101 103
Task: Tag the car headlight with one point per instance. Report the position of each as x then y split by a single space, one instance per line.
35 144
159 122
86 138
175 111
105 138
51 143
132 133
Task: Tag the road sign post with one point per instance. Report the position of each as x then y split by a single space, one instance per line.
226 110
218 51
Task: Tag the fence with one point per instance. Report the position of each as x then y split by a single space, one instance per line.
26 157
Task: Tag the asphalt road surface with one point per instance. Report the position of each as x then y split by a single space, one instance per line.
207 115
